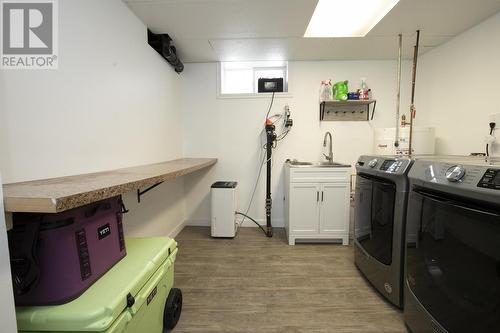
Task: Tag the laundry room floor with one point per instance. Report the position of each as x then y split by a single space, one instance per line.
257 284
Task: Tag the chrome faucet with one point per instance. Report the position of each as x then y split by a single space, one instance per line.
328 157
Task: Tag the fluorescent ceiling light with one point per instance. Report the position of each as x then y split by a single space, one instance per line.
347 18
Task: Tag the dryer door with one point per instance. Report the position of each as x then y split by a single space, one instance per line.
374 217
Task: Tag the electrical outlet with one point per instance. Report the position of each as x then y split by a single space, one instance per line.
288 120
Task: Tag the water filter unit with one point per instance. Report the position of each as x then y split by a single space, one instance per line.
423 141
223 204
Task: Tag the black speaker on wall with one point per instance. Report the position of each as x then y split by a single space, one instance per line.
162 43
270 85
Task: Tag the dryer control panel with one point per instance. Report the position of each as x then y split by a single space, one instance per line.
490 179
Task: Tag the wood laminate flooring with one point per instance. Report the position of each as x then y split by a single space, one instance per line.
257 284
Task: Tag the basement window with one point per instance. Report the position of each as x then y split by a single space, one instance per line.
241 78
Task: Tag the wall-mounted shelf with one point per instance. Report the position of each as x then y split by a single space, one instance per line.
350 110
59 194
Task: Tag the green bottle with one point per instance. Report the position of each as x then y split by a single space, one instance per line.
341 89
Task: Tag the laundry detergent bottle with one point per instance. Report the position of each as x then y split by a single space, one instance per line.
341 90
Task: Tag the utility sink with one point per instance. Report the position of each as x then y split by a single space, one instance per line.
325 164
297 163
333 164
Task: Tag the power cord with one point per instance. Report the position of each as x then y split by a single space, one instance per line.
253 191
245 215
270 106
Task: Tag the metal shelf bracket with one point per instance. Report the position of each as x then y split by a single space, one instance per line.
140 193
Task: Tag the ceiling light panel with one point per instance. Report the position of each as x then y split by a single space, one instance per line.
347 18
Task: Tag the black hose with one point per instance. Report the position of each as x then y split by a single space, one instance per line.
245 215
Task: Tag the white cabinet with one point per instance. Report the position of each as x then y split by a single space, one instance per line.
304 207
317 203
334 215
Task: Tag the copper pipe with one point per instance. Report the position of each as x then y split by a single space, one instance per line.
412 105
403 121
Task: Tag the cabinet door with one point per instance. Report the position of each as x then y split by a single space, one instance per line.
304 208
334 216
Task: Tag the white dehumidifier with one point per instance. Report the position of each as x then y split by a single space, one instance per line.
223 209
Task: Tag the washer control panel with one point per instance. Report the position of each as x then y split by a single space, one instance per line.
490 179
392 166
395 165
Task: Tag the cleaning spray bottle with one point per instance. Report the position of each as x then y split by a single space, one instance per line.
325 91
364 91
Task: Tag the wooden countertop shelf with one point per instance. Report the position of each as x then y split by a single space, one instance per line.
59 194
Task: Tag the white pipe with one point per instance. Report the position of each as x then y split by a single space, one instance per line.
398 99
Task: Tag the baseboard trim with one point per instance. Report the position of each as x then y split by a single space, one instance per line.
276 223
197 223
177 230
246 223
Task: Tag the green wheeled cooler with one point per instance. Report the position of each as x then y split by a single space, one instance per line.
134 296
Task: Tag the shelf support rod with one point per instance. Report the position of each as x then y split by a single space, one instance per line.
140 193
373 110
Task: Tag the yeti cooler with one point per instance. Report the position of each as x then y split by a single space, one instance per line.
56 257
134 296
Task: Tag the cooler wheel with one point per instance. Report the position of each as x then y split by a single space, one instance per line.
173 308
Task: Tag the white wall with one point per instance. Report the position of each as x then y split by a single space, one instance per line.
229 128
458 86
112 103
7 314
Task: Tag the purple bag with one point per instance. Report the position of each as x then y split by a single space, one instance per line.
56 257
